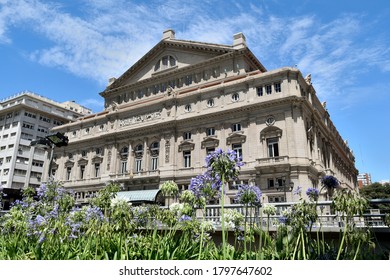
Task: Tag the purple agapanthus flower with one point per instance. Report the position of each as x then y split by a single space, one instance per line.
226 164
185 218
40 220
313 193
297 191
283 220
41 191
330 182
205 186
94 213
249 195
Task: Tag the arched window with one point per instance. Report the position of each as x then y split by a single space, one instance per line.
154 151
138 152
124 154
165 62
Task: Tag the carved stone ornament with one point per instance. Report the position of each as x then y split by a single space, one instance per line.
308 79
270 120
186 145
140 118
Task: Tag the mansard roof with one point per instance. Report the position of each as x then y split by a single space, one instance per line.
205 52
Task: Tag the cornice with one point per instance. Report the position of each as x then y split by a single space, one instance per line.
167 43
164 75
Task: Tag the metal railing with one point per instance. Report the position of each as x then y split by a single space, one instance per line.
327 219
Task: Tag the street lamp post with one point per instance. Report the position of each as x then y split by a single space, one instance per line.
285 187
51 141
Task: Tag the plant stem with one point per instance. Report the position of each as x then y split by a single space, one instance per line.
357 250
223 217
296 247
342 240
202 232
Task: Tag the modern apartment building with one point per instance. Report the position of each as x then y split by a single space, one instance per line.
24 117
364 179
181 101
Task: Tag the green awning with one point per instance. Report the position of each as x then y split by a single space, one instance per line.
139 196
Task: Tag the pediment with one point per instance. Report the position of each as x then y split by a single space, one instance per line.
186 145
54 165
271 131
97 159
82 161
210 142
69 163
186 53
235 137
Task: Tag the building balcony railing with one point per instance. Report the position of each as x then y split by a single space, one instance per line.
281 162
272 160
327 221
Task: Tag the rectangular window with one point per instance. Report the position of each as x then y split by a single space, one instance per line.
82 171
68 173
236 127
188 80
123 167
97 169
164 62
273 147
260 91
280 182
187 135
210 131
277 87
238 149
154 163
138 165
268 89
35 162
210 150
43 129
27 136
271 183
28 125
187 158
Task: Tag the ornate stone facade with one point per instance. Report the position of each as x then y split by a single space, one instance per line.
182 100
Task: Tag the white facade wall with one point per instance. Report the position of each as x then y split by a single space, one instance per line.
308 145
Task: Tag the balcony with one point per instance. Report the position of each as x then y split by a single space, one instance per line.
273 164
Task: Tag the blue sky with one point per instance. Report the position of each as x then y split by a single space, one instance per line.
67 50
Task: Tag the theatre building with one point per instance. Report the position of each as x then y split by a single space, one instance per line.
181 101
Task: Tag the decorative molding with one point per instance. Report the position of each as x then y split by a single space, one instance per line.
186 145
209 142
236 137
97 159
140 118
270 131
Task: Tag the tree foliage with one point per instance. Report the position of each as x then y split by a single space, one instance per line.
377 191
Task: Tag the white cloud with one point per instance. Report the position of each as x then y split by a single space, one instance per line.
105 38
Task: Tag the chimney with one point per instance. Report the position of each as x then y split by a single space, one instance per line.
239 41
111 81
168 34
